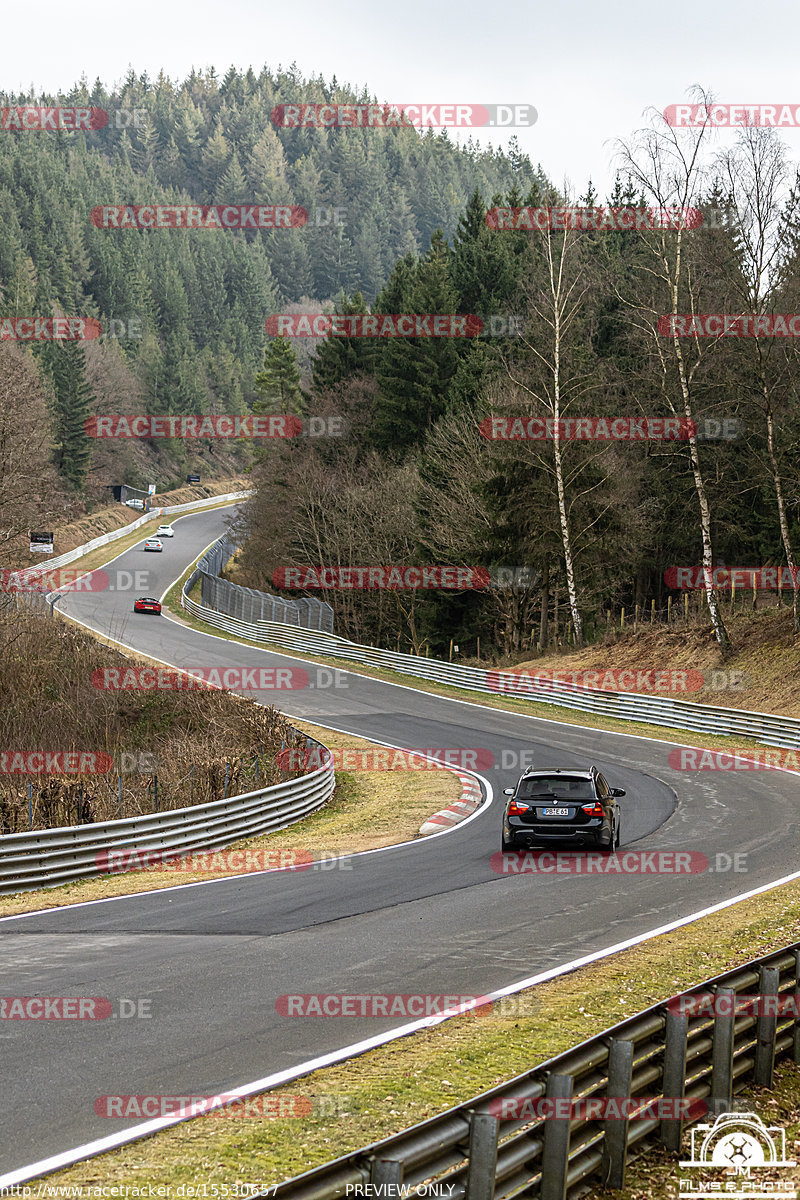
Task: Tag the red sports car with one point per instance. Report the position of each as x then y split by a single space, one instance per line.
147 604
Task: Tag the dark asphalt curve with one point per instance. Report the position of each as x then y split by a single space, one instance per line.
432 917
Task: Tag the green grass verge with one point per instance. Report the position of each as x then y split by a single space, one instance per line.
546 712
385 1090
388 1089
105 554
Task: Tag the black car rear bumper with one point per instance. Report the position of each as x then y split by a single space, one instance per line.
593 833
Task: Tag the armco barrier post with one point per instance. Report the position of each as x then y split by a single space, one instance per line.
615 1142
674 1080
766 1026
482 1156
555 1148
771 729
386 1176
796 1046
722 1053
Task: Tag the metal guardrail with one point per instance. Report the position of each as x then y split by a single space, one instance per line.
659 1053
115 534
39 603
209 502
249 604
49 857
766 728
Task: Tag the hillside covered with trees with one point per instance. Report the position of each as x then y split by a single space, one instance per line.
606 330
579 323
190 306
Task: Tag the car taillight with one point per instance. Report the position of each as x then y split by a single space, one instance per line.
592 810
515 809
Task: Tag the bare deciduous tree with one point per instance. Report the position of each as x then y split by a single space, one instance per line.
760 208
552 373
666 165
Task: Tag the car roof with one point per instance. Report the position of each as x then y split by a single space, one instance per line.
151 599
581 773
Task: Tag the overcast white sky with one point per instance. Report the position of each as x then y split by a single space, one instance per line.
590 69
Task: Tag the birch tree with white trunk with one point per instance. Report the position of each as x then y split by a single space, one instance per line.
666 165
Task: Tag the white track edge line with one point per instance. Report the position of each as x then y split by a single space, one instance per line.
90 1149
135 1132
179 887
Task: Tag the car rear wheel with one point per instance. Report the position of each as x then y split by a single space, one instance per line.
508 845
612 844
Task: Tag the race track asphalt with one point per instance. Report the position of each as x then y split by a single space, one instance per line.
433 916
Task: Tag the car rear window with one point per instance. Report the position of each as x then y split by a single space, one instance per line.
556 787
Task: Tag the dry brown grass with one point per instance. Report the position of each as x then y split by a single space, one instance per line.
363 814
657 1175
765 650
51 704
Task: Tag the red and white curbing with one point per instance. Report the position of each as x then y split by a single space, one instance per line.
459 810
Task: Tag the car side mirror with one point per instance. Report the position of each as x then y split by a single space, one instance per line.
618 791
508 791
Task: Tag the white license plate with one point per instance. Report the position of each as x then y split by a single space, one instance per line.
555 812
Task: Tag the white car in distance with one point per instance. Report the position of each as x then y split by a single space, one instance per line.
165 531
